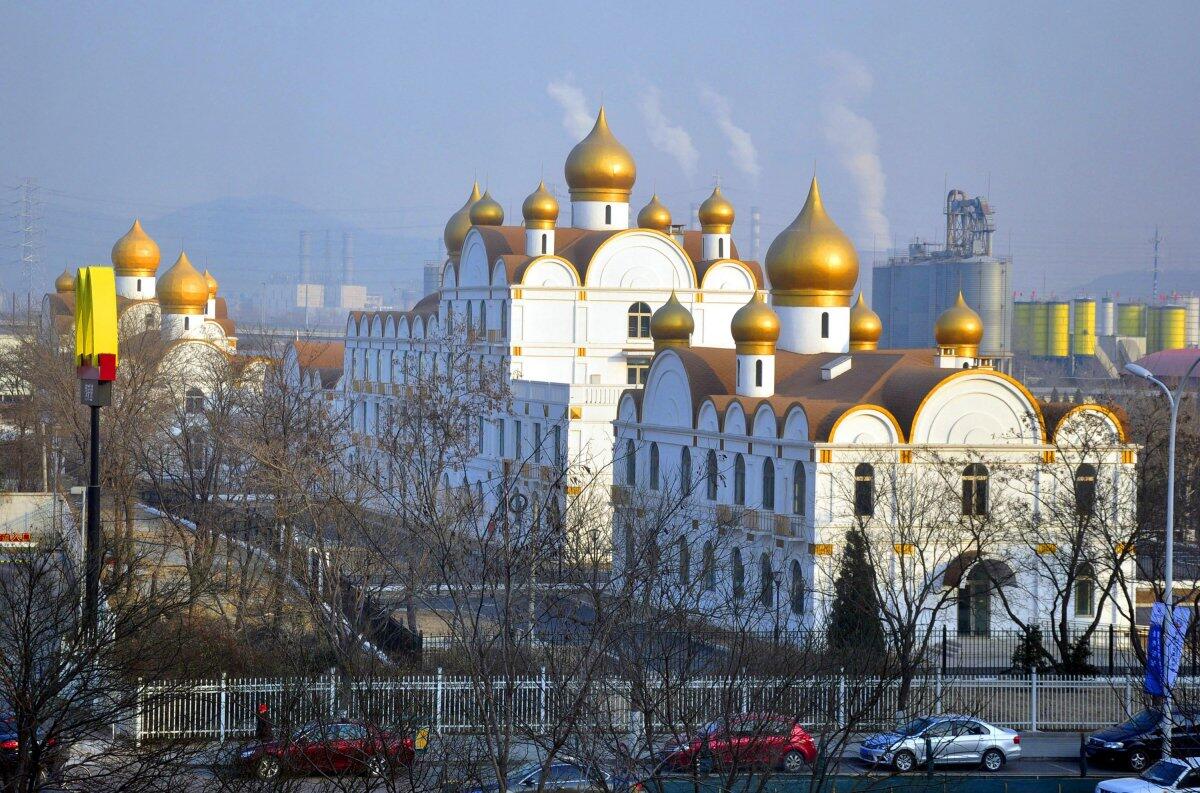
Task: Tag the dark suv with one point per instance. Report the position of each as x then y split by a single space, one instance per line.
1138 742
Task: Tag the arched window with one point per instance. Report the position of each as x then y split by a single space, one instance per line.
187 323
139 284
544 236
685 560
608 214
1085 591
654 466
720 247
685 471
193 401
503 320
766 592
630 464
630 549
799 488
825 325
768 484
864 490
738 573
975 490
708 570
797 594
639 321
758 374
710 475
1085 489
739 480
483 318
470 316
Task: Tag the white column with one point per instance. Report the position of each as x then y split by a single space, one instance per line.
755 375
810 329
140 287
599 215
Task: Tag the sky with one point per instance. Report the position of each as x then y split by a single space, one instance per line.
1080 121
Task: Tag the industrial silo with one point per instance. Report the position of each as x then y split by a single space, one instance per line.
1058 322
1172 327
1106 322
1131 319
1153 328
1191 307
1039 343
1022 328
1083 327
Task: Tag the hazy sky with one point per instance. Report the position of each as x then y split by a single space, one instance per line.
1083 119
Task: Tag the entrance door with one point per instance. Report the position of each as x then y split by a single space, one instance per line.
975 604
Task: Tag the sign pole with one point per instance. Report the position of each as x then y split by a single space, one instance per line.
92 550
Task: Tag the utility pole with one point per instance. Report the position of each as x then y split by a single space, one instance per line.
31 233
1157 240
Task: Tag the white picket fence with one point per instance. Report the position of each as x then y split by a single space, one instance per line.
225 708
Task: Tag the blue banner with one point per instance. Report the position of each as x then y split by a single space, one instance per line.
1164 647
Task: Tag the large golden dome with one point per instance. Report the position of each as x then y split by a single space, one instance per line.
182 289
459 224
812 262
865 326
540 209
135 254
211 283
65 282
672 325
960 328
755 327
599 168
716 213
487 211
655 215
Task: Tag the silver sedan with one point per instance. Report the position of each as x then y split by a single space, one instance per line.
952 739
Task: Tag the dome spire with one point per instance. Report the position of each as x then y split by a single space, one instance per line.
182 289
460 223
136 255
865 326
672 325
599 168
487 211
540 209
959 329
655 215
716 213
65 282
755 327
812 262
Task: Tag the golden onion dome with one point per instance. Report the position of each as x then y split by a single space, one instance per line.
182 289
716 213
64 283
812 262
135 254
655 215
487 211
755 327
212 284
599 168
960 328
459 224
672 325
540 209
865 326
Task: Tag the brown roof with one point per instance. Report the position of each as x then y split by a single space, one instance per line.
227 325
428 304
1055 412
312 353
221 309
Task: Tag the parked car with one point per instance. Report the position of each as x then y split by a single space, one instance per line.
1164 776
746 741
1137 743
329 748
952 740
51 758
564 774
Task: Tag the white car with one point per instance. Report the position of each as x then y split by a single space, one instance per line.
1174 774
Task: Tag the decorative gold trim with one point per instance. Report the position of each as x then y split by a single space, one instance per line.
826 455
754 348
1037 410
1046 548
810 298
869 406
581 352
904 548
1099 409
516 350
820 548
1048 456
576 412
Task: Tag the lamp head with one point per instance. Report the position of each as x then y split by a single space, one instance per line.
1139 371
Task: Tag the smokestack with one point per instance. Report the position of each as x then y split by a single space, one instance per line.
755 234
694 217
347 257
306 257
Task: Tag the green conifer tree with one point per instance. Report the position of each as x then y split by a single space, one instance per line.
854 626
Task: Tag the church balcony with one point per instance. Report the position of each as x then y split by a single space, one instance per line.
564 394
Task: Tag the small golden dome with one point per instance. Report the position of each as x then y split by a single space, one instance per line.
212 284
865 326
599 168
755 327
540 209
182 289
672 325
64 283
812 262
716 213
487 211
655 215
960 328
135 254
459 224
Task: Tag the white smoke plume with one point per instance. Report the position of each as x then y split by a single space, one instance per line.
853 137
576 118
741 145
667 137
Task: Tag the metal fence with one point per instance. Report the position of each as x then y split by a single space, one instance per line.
225 708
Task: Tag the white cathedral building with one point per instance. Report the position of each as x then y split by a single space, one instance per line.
648 356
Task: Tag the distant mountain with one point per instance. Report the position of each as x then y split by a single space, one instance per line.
244 241
1137 283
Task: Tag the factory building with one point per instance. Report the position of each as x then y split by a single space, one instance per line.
911 292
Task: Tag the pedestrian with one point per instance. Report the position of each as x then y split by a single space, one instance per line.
263 729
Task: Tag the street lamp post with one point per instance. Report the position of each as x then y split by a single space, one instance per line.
1173 397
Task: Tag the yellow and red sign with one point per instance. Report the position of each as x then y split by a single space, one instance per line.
96 323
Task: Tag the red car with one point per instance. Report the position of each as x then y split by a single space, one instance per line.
753 740
334 748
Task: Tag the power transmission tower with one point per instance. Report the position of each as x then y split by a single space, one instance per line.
1157 240
30 220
